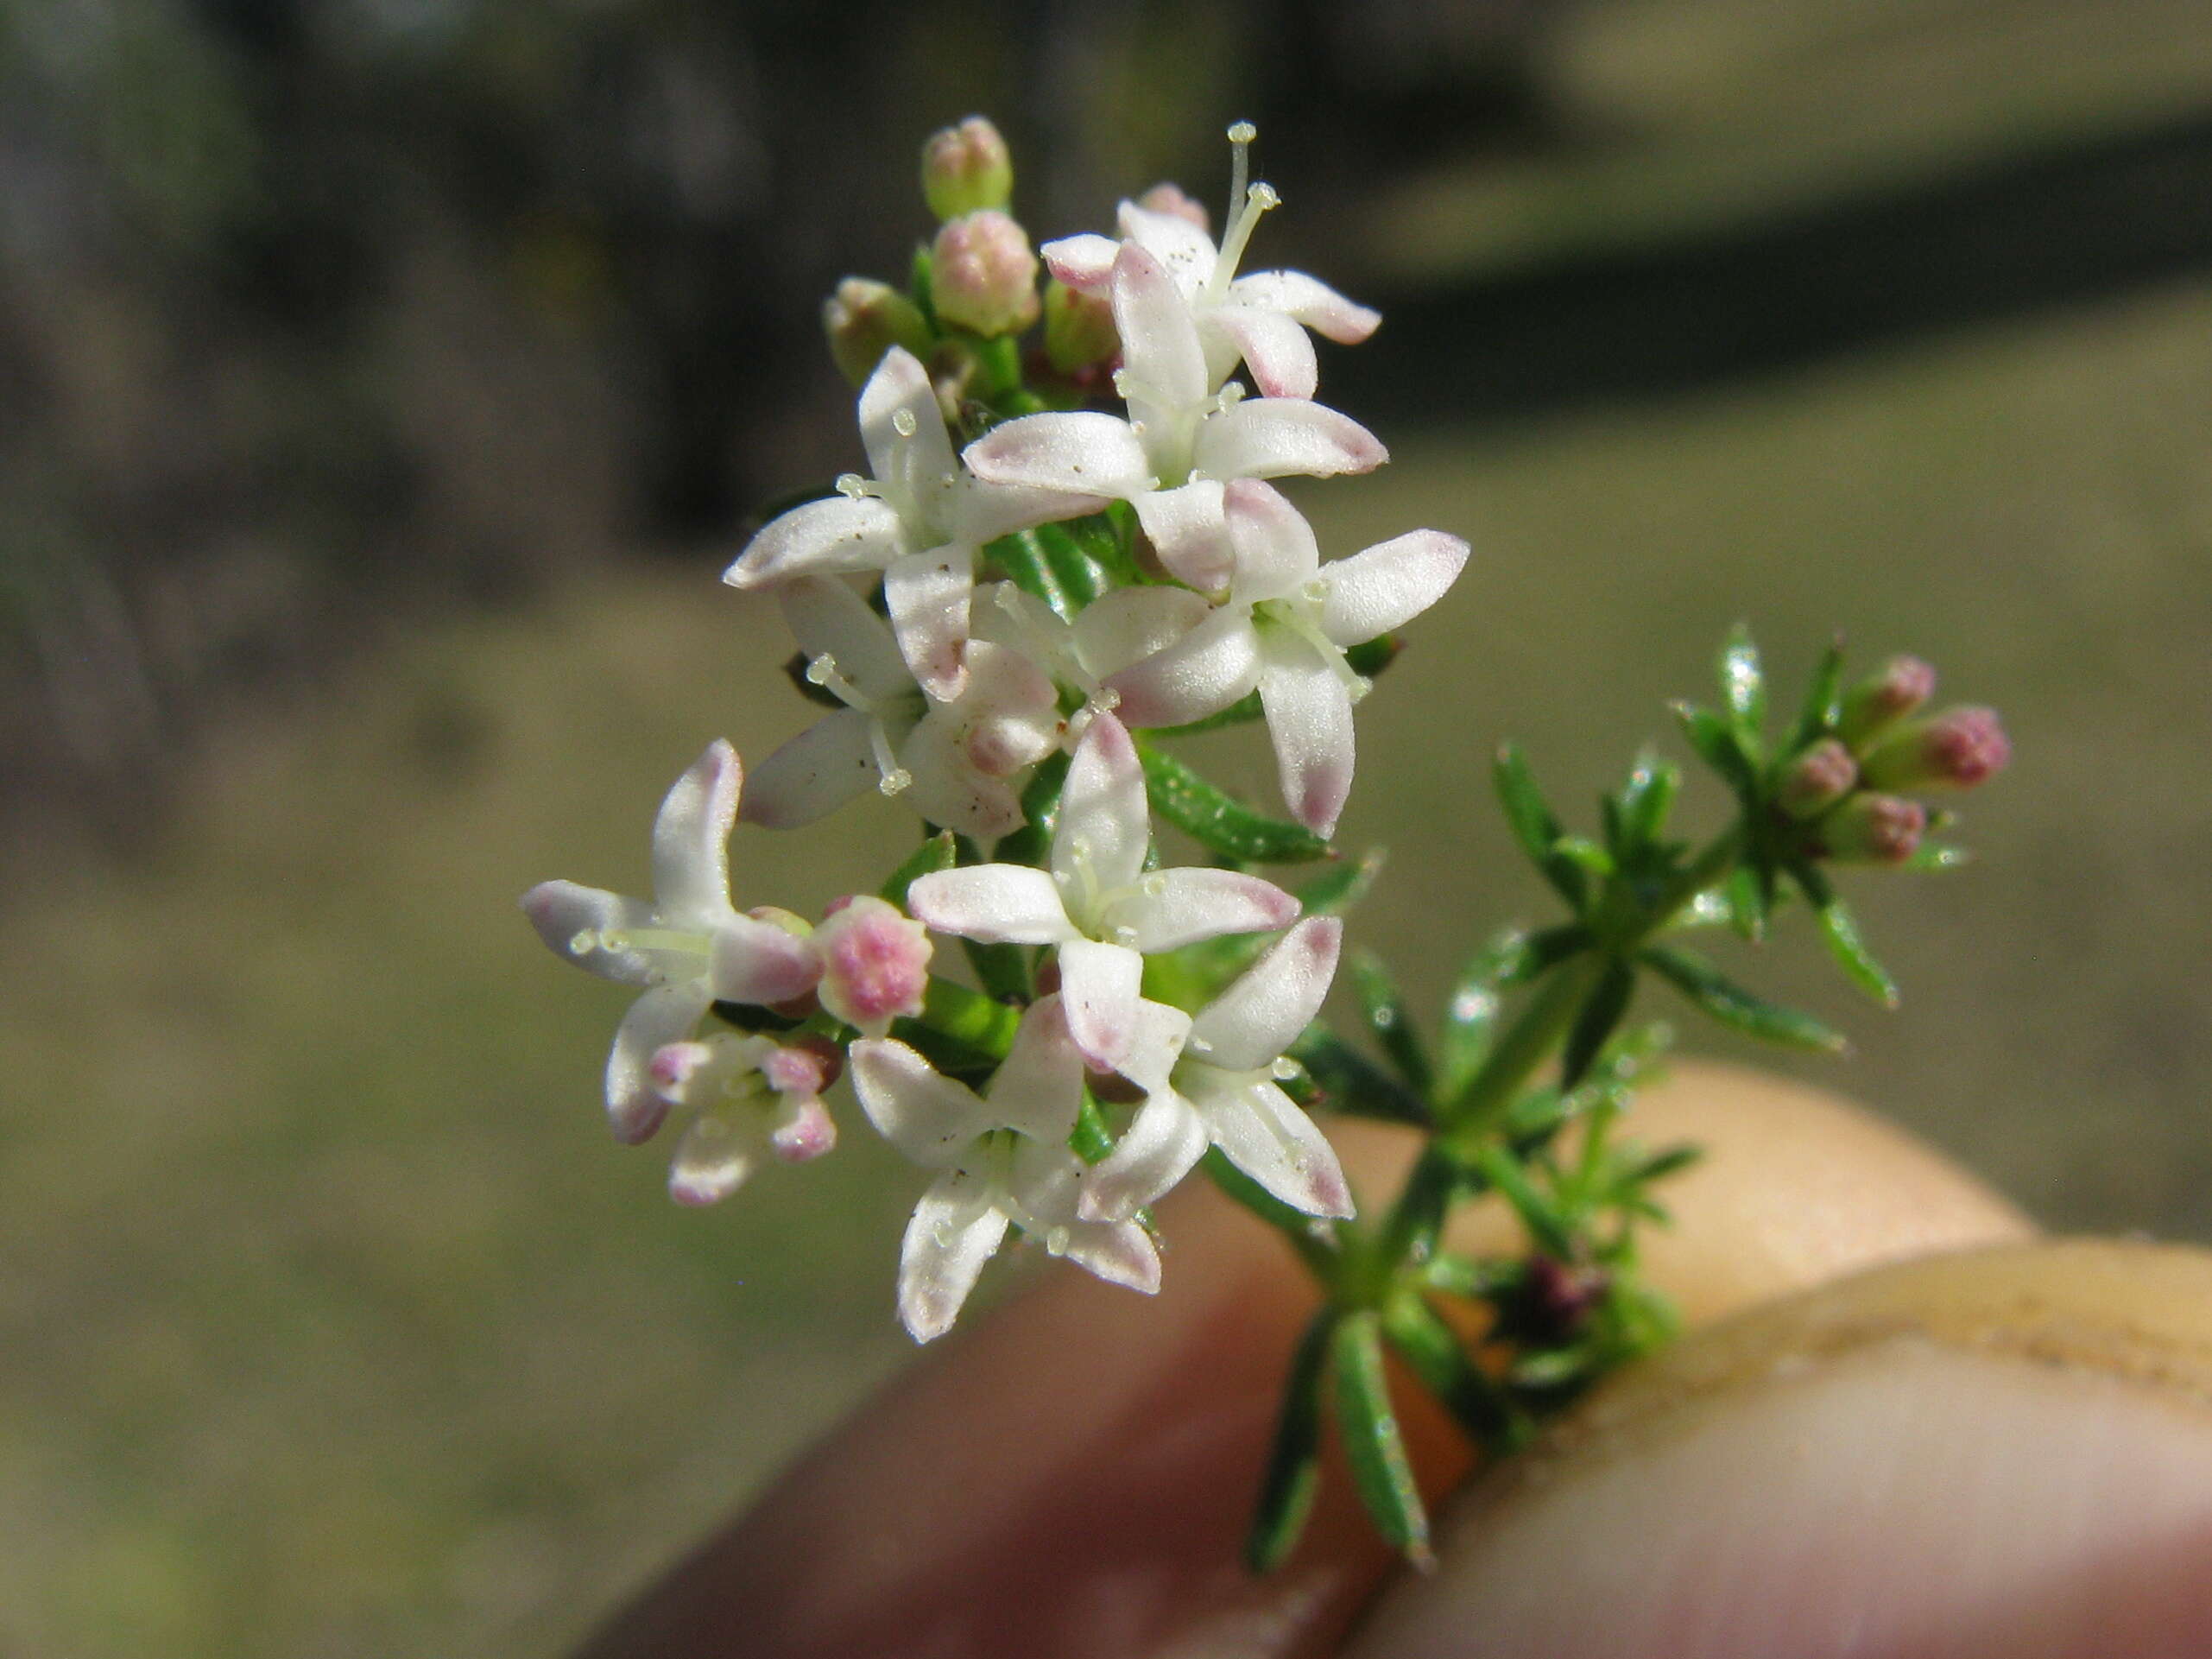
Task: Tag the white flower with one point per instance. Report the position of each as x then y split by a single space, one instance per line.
1114 631
685 945
919 520
1005 1159
752 1099
1260 319
1098 906
1212 1079
1283 627
1182 439
959 763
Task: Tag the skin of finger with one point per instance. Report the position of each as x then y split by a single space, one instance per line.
1070 1476
2001 1451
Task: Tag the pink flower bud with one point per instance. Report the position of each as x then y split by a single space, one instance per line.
1958 749
1880 701
1876 829
965 168
805 1134
1817 780
983 274
865 319
1078 329
874 963
1170 199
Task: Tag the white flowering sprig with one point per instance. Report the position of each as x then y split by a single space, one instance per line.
1013 638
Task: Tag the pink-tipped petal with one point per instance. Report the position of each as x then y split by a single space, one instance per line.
996 904
928 595
713 1160
829 619
664 1015
691 839
1084 262
1261 1014
1164 1142
574 921
1315 304
1174 908
1165 365
1309 710
1261 1132
1038 1088
1099 984
922 456
1275 437
1105 822
1202 674
806 1133
1122 628
812 774
1389 584
755 961
1188 530
1276 349
1120 1252
1275 550
1081 453
820 538
953 1232
928 1117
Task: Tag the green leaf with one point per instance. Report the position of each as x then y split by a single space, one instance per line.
1546 1227
959 1028
1103 538
1434 1351
1533 824
1937 855
1580 849
1022 557
1470 1278
1204 812
1737 1007
1743 690
937 853
1371 658
1373 1444
1081 577
1347 1081
1823 704
1839 931
1718 746
1293 1470
1600 1014
1337 890
1040 810
1667 1160
1387 1016
1750 901
1645 799
1470 1022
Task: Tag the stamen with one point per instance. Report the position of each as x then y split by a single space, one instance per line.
822 671
892 777
1257 200
854 487
657 938
1285 1069
1240 161
581 943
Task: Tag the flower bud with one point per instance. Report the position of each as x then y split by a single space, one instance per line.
1817 780
965 168
1874 829
874 963
1880 701
1958 749
983 275
1170 199
865 319
1080 331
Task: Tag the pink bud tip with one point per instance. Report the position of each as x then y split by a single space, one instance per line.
808 1134
1967 747
1816 779
875 964
983 274
1883 829
674 1064
1170 199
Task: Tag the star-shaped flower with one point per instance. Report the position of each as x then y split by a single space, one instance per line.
1098 907
685 945
1283 627
919 520
752 1099
1182 439
1004 1160
1213 1080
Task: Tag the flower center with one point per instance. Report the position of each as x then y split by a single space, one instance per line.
1299 616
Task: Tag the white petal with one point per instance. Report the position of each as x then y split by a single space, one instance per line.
1082 453
1038 1088
818 539
927 1116
984 512
815 773
1084 262
1156 1043
1120 1252
998 904
1316 305
571 919
1309 710
1164 366
664 1015
1099 983
1174 908
1184 250
755 961
1186 528
691 839
1104 822
1202 674
1124 627
829 619
928 595
1164 1141
1273 346
1011 710
922 455
713 1160
953 1232
1249 1024
1263 1133
1389 584
1276 552
1047 1185
947 790
1271 437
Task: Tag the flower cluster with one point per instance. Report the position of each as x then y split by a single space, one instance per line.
1056 554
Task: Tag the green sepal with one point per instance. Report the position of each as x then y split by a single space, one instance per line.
1090 1140
1535 825
1435 1354
1644 803
1216 820
1839 931
1373 1444
959 1029
939 851
1743 690
1738 1008
1346 1081
1599 1013
1551 1230
1823 704
1293 1470
1384 1007
1718 746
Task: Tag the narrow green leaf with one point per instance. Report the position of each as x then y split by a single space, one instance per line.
1589 854
1040 810
1391 1021
1824 701
1839 931
1371 658
1667 1160
1646 800
1373 1444
1022 556
1750 902
1718 746
1535 825
1344 1080
1337 890
1743 689
1595 1023
1092 1141
1432 1350
1546 1227
1470 1022
1081 577
1104 539
1937 855
963 1026
937 853
1470 1278
1737 1007
1293 1470
1203 812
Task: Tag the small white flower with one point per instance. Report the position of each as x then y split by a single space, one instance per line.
1004 1160
751 1099
919 520
1213 1080
1283 627
685 945
1098 906
1182 439
959 763
1117 630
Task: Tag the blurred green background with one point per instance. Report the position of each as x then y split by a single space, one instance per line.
384 383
